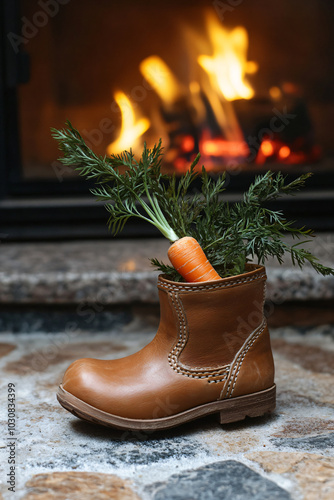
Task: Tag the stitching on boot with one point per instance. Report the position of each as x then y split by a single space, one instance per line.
214 375
252 338
184 288
240 358
239 361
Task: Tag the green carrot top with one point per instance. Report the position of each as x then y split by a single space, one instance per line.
230 234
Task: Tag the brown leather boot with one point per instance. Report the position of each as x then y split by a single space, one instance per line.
211 354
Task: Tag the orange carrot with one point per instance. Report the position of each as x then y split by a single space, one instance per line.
188 258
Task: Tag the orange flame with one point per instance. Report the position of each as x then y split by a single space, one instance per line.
223 57
161 79
228 64
131 129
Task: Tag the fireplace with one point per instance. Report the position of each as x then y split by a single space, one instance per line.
249 85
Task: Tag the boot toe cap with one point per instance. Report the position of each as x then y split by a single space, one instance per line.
80 379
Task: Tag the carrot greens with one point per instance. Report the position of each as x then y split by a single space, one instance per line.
230 234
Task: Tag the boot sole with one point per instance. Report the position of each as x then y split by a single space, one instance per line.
230 410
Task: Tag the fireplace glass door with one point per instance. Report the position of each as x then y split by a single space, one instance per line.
249 85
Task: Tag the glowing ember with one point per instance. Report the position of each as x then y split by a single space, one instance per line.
284 152
222 148
188 144
267 148
228 64
131 129
275 93
276 151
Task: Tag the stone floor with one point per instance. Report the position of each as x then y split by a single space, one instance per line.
288 455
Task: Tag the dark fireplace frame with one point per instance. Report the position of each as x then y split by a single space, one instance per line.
39 210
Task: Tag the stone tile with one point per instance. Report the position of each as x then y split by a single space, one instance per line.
286 284
6 349
116 271
303 426
78 486
75 288
323 442
313 473
319 387
116 449
74 256
53 354
290 400
230 439
311 358
230 480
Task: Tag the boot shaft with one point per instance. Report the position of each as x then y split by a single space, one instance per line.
211 321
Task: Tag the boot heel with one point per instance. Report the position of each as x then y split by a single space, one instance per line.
253 405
